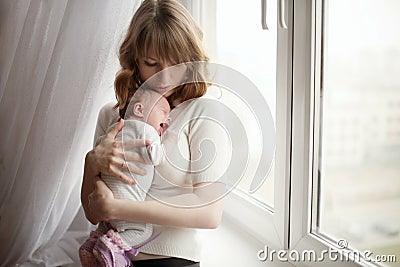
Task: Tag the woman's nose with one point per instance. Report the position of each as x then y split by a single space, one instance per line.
163 77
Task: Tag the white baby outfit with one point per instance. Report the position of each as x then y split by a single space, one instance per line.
130 232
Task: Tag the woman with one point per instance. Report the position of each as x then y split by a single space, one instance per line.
185 192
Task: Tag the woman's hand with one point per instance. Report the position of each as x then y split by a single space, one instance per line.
101 202
108 157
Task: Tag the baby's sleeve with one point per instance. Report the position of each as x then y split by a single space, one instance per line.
155 152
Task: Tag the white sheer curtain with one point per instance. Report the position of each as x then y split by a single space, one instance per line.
58 61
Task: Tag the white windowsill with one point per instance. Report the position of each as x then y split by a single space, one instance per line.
231 245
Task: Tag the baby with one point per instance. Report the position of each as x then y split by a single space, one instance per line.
146 116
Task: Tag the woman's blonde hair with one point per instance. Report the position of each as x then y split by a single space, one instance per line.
167 27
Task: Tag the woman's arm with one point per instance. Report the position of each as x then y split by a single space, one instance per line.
200 209
88 185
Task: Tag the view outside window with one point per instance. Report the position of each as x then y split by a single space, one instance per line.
360 134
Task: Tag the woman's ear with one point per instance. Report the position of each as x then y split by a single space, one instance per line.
138 110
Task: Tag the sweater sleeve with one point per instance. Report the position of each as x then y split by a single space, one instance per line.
107 116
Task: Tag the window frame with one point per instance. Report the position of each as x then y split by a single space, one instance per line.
265 224
291 224
307 93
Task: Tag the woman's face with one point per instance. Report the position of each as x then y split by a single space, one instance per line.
165 82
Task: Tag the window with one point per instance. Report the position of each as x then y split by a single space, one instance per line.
234 37
242 44
360 125
336 111
345 152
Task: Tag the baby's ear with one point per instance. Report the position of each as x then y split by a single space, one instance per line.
138 110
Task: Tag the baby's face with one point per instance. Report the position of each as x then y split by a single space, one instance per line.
159 114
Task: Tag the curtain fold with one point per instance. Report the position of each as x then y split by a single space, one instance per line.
58 62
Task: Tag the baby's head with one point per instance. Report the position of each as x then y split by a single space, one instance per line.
150 107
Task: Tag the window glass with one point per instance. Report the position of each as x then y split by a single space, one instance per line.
236 39
360 134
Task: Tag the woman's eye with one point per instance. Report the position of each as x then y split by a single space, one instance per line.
150 64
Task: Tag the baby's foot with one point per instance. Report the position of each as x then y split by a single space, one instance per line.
110 251
86 250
